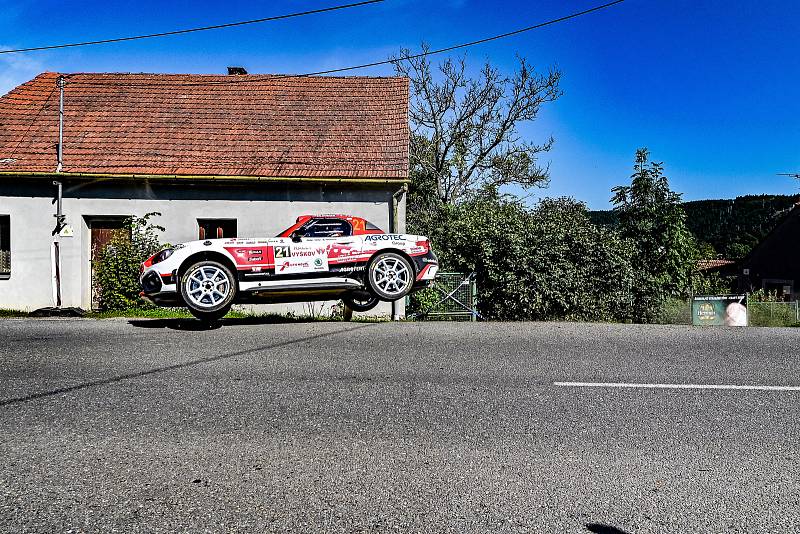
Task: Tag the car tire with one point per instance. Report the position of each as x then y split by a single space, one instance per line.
208 289
362 302
390 276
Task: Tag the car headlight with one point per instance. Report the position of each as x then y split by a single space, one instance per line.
163 255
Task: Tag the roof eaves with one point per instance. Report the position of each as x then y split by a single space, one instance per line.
206 177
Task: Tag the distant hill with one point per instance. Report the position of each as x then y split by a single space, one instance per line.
732 227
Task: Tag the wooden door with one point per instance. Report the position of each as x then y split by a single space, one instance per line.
102 231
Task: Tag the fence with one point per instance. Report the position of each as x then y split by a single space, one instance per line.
452 297
773 313
759 313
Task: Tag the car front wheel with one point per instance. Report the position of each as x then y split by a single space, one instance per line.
208 289
390 276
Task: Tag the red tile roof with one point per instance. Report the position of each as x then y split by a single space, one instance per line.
705 265
165 124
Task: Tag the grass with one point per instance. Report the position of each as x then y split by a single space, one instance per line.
13 313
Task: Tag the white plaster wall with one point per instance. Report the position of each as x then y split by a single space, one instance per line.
32 221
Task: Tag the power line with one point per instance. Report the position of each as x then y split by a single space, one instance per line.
192 30
473 43
235 80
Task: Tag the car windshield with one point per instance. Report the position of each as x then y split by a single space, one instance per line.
322 227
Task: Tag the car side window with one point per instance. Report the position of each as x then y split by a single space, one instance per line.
327 228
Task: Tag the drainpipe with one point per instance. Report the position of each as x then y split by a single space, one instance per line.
396 197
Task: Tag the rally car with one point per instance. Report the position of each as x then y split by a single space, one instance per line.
320 257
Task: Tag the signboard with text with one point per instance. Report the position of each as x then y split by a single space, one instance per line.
719 310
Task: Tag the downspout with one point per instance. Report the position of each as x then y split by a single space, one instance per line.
396 198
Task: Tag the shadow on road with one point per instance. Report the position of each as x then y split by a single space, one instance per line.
196 325
599 528
157 370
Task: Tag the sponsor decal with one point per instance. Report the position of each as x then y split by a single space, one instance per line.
301 265
384 237
292 266
248 255
348 269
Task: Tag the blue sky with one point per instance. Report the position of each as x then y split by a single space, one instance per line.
709 86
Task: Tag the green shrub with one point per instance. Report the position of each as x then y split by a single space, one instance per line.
116 271
549 262
674 310
771 313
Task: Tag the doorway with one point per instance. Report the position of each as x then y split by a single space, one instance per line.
102 231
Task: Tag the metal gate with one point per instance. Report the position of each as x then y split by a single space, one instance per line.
456 299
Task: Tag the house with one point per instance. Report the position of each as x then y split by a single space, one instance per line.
774 264
215 155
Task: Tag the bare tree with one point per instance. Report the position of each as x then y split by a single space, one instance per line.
464 130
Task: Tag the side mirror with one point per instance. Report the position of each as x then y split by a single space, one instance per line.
296 237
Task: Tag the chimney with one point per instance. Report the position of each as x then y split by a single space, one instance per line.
236 71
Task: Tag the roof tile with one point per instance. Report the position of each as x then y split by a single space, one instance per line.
254 125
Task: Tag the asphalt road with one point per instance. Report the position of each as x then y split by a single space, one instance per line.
154 426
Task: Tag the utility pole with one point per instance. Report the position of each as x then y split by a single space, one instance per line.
56 251
60 82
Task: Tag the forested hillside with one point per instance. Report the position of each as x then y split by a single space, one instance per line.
732 227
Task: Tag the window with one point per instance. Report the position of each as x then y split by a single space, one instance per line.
5 246
327 228
216 228
371 226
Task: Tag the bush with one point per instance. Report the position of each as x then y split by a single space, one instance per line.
771 312
549 262
116 271
675 310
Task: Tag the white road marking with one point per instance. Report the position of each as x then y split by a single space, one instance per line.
673 386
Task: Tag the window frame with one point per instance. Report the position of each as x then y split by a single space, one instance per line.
217 220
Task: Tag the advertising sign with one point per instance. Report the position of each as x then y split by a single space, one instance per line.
719 310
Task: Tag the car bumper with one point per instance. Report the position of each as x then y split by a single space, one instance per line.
426 266
159 288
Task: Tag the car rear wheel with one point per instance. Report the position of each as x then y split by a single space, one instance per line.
361 302
208 289
390 276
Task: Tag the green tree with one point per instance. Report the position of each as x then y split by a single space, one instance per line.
549 262
117 269
651 215
465 140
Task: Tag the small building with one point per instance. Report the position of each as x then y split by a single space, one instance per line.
220 156
774 264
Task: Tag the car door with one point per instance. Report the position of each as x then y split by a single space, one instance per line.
334 236
307 251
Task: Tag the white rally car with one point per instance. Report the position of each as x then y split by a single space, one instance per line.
320 257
